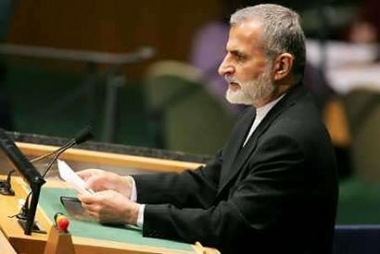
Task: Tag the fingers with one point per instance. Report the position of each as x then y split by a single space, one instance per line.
86 199
90 204
103 180
87 173
95 178
107 206
92 210
98 198
96 183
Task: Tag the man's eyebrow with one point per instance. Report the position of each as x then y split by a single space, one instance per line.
236 52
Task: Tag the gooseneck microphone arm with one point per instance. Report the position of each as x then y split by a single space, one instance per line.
63 148
80 137
48 167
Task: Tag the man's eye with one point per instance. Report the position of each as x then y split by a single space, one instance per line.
240 57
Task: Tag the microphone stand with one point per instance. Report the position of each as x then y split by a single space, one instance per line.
27 213
23 214
25 209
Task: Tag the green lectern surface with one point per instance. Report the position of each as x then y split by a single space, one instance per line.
50 203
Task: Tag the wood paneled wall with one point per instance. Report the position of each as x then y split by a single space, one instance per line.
112 25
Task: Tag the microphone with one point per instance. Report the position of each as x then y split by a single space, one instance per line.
27 212
80 137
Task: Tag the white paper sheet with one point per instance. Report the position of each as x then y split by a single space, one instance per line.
67 174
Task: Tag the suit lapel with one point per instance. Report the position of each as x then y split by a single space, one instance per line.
236 140
241 133
241 154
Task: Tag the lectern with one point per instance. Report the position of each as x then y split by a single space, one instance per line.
116 158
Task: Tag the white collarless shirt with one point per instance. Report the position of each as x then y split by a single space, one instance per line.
261 112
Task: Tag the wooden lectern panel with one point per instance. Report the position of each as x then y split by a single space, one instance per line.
5 246
110 161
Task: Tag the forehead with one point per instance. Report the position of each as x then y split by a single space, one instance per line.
245 34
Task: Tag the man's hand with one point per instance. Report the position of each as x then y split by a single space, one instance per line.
99 180
110 207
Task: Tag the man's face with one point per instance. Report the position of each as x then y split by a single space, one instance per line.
245 67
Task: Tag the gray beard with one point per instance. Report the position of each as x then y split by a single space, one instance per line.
252 91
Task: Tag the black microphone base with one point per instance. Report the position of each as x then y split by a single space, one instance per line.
6 189
35 227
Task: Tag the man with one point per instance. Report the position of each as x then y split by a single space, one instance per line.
273 186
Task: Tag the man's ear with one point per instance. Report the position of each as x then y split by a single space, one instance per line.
283 65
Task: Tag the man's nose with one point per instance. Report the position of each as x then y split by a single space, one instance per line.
225 67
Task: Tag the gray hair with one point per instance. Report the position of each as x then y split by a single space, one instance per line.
282 32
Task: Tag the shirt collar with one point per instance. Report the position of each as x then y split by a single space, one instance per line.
261 112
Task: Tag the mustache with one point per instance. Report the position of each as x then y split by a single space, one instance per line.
230 79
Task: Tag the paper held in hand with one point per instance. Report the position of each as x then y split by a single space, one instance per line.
67 174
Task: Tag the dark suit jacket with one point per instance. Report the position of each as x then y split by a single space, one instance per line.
278 194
